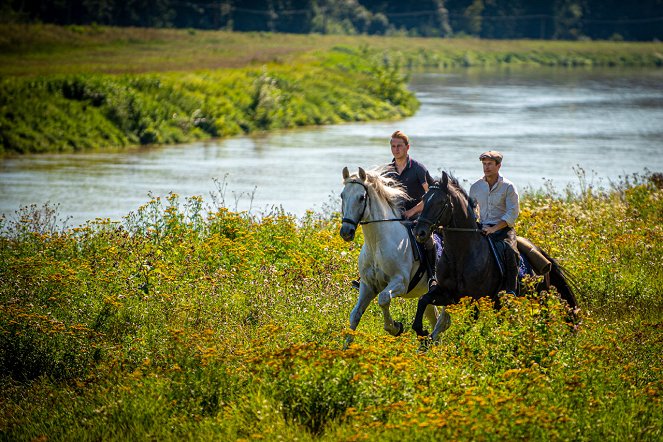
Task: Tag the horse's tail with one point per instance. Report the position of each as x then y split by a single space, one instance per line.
563 281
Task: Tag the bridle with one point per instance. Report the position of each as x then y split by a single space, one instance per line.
363 210
448 203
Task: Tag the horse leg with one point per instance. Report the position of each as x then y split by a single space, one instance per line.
366 295
431 314
424 306
395 288
443 323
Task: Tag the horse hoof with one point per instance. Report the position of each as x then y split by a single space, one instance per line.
421 332
400 328
348 342
424 346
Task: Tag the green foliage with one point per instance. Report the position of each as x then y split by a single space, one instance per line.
57 94
192 322
612 237
65 113
504 19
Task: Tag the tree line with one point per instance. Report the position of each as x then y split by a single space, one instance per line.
490 19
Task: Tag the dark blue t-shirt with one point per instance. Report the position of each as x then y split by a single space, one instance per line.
412 178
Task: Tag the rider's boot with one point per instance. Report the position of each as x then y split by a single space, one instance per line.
510 271
431 255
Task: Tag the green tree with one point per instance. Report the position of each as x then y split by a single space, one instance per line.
568 19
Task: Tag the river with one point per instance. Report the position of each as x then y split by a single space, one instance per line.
552 125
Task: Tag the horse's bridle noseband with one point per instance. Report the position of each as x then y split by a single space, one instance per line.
351 221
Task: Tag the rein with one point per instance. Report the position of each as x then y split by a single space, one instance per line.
461 229
357 223
404 221
447 203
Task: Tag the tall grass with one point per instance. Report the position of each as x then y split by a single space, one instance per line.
191 322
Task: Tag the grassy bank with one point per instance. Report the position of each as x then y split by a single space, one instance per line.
46 49
192 322
62 113
79 88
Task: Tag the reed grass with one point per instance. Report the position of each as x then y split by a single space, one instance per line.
189 321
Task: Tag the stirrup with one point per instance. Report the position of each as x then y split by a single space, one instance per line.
431 282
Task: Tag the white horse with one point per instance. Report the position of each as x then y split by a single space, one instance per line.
386 261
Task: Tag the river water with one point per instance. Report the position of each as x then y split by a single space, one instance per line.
551 125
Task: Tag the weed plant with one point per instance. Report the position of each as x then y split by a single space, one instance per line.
192 322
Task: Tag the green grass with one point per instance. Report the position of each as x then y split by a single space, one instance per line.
198 323
62 113
46 49
78 88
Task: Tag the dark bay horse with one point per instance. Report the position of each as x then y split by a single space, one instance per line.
467 266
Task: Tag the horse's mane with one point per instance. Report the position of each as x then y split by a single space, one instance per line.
453 182
387 189
455 186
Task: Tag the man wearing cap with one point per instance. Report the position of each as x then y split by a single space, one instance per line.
498 203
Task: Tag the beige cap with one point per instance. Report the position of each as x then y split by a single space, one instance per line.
492 155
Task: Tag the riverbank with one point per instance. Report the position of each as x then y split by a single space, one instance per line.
81 88
196 323
36 50
64 113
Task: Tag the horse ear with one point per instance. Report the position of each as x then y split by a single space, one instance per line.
362 174
346 173
445 179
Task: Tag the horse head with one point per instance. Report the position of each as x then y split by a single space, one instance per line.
437 211
354 201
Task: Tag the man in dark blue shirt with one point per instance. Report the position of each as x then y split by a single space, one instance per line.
415 179
410 173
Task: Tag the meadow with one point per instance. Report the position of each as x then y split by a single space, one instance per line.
188 321
77 88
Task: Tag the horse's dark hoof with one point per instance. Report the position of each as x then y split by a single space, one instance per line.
421 332
424 345
400 328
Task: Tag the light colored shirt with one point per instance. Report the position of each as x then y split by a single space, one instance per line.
499 203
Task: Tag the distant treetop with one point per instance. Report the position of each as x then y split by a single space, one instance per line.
490 19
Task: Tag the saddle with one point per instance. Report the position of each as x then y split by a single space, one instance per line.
532 261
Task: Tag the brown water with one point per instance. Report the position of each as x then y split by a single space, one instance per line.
546 122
